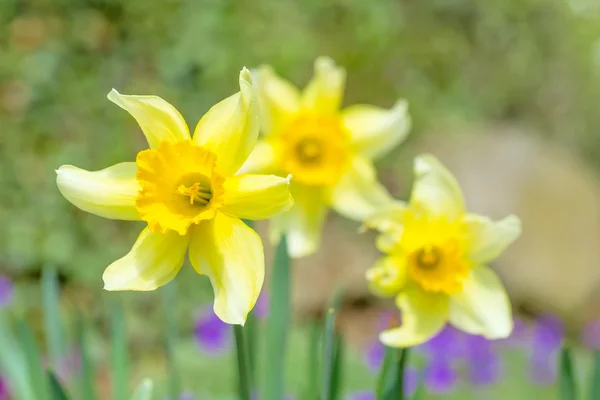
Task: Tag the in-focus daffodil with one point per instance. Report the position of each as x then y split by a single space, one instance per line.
187 190
435 263
327 151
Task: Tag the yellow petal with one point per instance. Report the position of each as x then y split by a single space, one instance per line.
261 161
231 255
279 99
423 315
375 131
303 224
158 119
487 238
230 128
256 196
388 220
483 306
359 194
109 193
388 276
324 92
435 189
154 261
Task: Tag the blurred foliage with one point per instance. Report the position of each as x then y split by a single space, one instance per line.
533 61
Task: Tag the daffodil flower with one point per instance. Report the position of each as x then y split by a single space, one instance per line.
327 151
436 261
187 190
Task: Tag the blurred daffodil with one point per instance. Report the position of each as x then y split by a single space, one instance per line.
435 265
328 151
187 190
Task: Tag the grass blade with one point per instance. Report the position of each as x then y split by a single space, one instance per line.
57 392
52 319
314 363
391 378
328 355
120 360
87 370
13 362
595 379
35 367
143 391
338 362
567 385
242 363
170 304
277 325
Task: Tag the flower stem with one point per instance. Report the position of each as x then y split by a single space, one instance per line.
242 362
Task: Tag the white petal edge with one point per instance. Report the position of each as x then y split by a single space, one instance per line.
488 239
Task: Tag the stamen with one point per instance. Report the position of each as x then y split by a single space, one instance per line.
429 256
198 193
309 151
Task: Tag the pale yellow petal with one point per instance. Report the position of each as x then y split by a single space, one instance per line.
109 193
158 119
375 131
154 261
262 160
435 189
483 305
231 255
279 100
230 128
423 315
487 238
324 92
388 221
303 224
256 197
359 194
388 276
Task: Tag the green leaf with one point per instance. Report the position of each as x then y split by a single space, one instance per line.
567 384
277 325
13 362
314 363
143 391
57 392
52 319
595 378
332 350
242 363
170 304
391 377
37 374
87 370
120 359
337 372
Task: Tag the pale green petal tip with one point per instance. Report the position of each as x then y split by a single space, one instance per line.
113 96
245 77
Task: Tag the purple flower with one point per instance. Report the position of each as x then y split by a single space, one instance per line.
6 291
591 335
374 356
482 360
261 309
411 381
547 339
520 335
212 335
362 395
447 343
4 393
440 376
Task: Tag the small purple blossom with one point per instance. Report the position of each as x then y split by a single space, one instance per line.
482 360
447 344
547 338
374 355
261 309
6 291
212 335
4 392
440 375
362 395
591 335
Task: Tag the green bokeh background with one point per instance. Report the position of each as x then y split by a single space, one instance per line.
456 62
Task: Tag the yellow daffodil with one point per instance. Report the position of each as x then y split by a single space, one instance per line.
187 190
328 151
435 263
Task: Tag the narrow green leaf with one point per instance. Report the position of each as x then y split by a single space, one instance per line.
595 378
277 325
120 359
328 385
52 318
250 332
57 392
567 384
87 371
143 391
391 378
242 363
170 304
420 391
37 374
13 361
314 363
337 370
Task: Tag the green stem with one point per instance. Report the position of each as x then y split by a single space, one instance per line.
403 358
242 362
328 355
567 386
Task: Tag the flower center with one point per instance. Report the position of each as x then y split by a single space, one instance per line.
198 193
429 256
315 149
438 267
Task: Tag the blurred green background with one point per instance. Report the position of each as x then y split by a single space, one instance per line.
458 63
